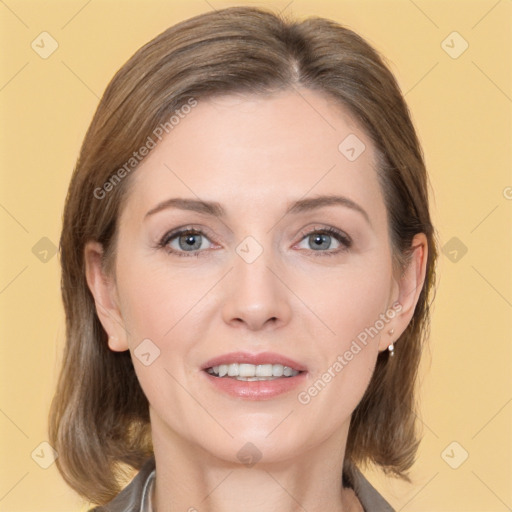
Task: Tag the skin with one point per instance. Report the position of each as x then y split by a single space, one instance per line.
254 155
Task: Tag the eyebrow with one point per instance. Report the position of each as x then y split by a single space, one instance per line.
301 206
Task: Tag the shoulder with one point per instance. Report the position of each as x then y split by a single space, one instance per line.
369 497
133 497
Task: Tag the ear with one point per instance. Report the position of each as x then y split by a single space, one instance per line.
406 291
104 291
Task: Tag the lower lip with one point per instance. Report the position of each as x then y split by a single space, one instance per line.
258 389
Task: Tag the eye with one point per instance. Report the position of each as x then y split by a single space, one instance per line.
185 242
192 242
325 241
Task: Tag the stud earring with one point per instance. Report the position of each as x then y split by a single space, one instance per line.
391 331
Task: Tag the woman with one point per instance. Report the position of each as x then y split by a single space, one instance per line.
247 261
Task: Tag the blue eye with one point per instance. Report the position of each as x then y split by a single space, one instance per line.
193 242
322 240
185 241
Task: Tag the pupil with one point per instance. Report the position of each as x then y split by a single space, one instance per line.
318 240
190 241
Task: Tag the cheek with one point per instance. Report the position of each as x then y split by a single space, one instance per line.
349 300
162 306
352 303
347 361
155 300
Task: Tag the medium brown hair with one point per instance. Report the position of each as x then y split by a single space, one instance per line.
99 419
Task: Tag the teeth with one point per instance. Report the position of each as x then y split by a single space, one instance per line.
251 372
277 370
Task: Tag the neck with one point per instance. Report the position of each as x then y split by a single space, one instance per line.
188 478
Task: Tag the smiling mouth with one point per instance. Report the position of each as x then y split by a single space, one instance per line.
252 372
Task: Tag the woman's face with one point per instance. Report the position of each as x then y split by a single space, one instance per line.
270 268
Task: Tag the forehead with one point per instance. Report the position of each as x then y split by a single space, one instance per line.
255 151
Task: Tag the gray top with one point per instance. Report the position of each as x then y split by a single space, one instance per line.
136 496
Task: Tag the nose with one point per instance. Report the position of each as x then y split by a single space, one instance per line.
255 296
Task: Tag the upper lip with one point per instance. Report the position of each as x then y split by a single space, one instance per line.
256 359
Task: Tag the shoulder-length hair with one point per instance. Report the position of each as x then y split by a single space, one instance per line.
99 418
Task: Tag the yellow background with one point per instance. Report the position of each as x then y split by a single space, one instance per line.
462 110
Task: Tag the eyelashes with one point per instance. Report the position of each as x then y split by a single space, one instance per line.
189 234
191 237
342 238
